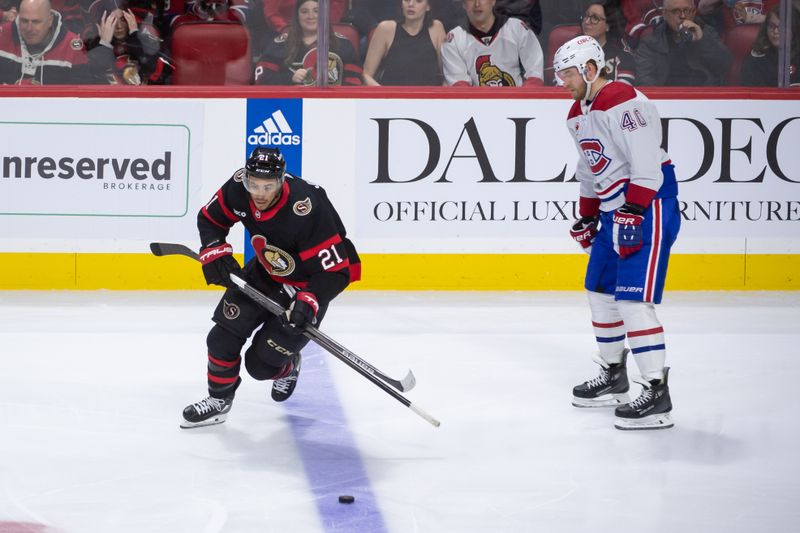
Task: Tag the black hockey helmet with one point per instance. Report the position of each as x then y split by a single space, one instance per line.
266 163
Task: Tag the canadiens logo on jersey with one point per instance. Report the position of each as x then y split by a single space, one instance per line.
594 152
302 208
273 259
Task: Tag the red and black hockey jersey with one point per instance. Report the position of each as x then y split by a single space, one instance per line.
300 240
275 68
63 60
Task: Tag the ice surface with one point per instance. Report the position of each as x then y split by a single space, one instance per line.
93 384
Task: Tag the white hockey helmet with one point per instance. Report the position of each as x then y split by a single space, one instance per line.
576 53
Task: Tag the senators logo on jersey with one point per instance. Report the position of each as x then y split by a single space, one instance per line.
276 261
229 310
490 75
594 152
302 208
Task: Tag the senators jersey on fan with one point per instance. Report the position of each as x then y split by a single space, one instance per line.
300 241
508 55
619 138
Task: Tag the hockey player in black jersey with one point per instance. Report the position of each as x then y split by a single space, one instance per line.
303 259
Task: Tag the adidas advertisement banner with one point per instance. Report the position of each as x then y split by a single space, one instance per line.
277 122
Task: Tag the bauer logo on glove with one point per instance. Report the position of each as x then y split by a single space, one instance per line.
628 229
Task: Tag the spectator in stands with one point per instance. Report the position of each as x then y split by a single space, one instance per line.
724 14
71 14
760 68
528 11
492 50
603 21
365 15
136 47
8 11
211 11
406 51
291 58
37 49
639 16
681 51
278 13
558 12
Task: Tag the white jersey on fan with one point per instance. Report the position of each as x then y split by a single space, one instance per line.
511 57
619 138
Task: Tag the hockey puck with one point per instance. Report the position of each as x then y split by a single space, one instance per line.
346 498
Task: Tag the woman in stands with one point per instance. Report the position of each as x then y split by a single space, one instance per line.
760 68
406 51
291 58
135 43
603 21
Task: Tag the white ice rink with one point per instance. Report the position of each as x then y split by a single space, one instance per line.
92 385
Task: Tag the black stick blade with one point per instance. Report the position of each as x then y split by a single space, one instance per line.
161 249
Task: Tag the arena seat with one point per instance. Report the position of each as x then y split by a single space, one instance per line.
558 36
211 53
739 40
350 33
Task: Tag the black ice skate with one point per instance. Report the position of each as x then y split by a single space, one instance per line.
284 387
206 412
609 389
651 410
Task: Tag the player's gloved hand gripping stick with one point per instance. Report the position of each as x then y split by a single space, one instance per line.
331 346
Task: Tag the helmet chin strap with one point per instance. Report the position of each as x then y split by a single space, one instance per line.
585 101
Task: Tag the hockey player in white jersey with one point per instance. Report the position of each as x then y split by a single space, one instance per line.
629 221
492 50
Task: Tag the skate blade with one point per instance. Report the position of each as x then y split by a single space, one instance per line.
661 421
607 400
219 419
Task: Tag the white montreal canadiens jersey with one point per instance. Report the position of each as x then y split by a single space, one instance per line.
465 58
619 141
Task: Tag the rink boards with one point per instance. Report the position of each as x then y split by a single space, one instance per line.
440 190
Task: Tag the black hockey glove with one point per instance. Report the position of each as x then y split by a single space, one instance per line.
584 231
219 263
302 311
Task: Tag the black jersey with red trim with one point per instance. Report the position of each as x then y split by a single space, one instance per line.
300 240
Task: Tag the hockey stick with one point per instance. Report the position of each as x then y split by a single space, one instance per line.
160 249
404 385
331 346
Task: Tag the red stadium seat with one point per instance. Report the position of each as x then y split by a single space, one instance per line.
350 33
211 53
739 40
558 36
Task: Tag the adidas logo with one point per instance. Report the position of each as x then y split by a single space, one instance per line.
275 130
